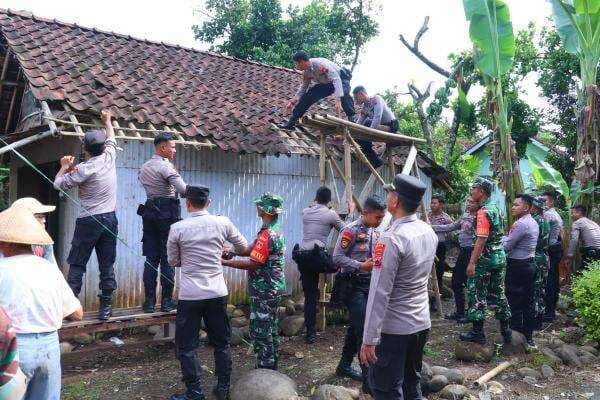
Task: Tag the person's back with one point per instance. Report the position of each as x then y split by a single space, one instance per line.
317 222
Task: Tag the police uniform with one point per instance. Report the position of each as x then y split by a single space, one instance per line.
266 284
398 319
195 245
354 246
375 112
162 184
441 219
520 246
541 262
588 232
555 254
487 285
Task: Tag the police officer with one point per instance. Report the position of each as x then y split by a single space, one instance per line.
555 253
162 184
317 222
465 242
330 79
586 231
487 268
353 255
438 216
374 112
398 321
97 226
195 245
540 259
266 280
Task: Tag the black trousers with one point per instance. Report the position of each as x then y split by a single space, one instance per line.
94 232
459 278
397 373
519 281
321 91
441 265
356 303
189 316
555 253
154 247
589 255
367 147
310 287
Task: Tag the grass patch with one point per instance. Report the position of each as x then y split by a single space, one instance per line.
538 359
79 391
432 353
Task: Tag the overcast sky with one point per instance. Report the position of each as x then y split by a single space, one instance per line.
385 63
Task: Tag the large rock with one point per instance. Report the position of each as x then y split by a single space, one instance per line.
238 313
264 384
292 325
551 355
517 345
82 338
563 304
237 336
568 354
467 351
426 372
589 349
65 347
547 371
331 392
437 383
154 329
555 343
238 322
526 371
230 309
572 334
453 392
453 375
495 387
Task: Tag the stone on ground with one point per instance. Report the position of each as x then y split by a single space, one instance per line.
453 375
292 325
526 371
426 372
572 334
551 355
153 329
467 351
495 387
568 354
238 313
237 336
82 338
446 292
264 384
238 322
547 371
437 383
589 349
530 380
65 347
331 392
517 345
556 343
230 309
453 392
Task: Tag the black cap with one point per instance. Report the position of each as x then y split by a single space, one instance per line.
197 193
94 137
409 187
162 137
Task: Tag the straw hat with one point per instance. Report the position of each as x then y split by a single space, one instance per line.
18 225
34 206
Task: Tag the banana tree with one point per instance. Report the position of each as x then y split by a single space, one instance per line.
493 40
578 25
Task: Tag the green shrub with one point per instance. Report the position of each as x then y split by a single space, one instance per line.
586 290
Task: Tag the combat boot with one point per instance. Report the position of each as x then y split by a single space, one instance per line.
476 335
221 390
290 124
149 305
311 335
344 369
506 331
105 311
192 393
167 305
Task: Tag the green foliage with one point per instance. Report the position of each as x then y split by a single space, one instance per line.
260 30
585 293
546 177
525 122
463 171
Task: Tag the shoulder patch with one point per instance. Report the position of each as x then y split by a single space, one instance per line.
483 223
378 255
347 238
260 251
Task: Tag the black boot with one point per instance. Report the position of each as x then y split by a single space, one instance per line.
167 304
192 393
506 331
221 390
311 335
476 335
105 310
345 369
149 304
290 124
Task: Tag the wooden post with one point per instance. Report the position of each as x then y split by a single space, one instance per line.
322 322
12 105
322 161
391 163
347 165
364 159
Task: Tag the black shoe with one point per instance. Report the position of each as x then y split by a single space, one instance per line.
531 344
349 372
105 311
148 306
455 316
476 335
167 305
291 124
190 394
506 331
311 336
221 391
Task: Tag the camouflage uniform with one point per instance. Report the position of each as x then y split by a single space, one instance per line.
266 285
541 265
488 283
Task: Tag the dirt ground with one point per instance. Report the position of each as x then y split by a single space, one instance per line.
151 372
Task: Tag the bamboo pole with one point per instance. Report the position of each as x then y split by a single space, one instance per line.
347 165
72 117
411 159
48 115
383 136
391 163
340 174
4 69
489 375
12 105
322 161
364 159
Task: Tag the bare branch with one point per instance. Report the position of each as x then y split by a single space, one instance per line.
419 97
414 48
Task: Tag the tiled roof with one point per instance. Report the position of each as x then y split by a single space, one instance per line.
232 102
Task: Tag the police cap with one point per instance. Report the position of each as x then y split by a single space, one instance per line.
408 187
197 193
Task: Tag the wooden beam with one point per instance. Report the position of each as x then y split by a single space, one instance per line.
364 159
376 134
13 99
11 83
341 175
322 161
48 116
347 164
411 159
391 162
72 118
4 69
335 188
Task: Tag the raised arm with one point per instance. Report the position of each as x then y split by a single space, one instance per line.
446 228
106 116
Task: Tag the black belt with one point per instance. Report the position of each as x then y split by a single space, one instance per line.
159 201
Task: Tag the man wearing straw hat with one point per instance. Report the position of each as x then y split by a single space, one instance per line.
39 211
97 226
36 298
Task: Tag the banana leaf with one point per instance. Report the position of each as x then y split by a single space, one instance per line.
466 108
545 175
492 35
577 23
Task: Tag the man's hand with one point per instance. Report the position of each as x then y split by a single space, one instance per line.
291 104
225 261
338 106
106 115
471 270
67 162
367 265
367 354
228 253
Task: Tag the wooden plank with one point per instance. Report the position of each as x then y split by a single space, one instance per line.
341 175
336 193
322 161
372 134
112 325
12 105
72 118
347 165
410 161
364 159
48 116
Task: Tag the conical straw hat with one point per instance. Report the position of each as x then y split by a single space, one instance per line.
18 225
34 205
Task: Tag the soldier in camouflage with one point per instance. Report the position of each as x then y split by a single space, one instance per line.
541 260
487 267
266 281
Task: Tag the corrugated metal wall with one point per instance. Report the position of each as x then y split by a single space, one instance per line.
235 180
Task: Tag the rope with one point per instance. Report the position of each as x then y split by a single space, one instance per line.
68 196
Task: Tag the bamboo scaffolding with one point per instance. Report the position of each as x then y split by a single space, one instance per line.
372 134
365 160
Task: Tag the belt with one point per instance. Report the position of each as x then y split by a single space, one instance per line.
163 200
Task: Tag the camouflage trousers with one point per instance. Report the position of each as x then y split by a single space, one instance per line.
264 330
539 286
485 288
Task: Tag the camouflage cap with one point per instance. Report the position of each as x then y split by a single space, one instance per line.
484 183
270 203
540 202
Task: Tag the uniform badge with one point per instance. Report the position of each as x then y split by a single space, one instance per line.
378 255
260 251
362 236
347 237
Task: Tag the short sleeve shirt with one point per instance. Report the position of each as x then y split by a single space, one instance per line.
489 224
267 281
